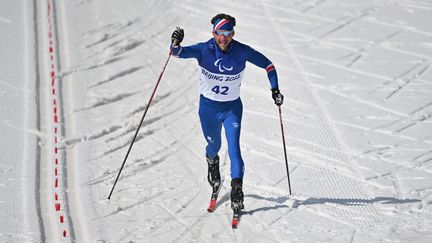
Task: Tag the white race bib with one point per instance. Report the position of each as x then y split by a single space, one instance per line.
220 87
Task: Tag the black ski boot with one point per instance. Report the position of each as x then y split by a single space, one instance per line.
237 194
213 175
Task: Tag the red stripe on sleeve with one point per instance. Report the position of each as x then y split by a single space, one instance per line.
270 67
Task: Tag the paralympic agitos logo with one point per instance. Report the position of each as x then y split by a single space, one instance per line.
221 67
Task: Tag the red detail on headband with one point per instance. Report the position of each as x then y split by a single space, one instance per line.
222 22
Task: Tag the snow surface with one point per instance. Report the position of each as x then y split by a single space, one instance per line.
357 116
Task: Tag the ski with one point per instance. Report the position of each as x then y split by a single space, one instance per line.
214 196
236 217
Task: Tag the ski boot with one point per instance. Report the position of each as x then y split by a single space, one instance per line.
213 175
237 194
236 201
214 179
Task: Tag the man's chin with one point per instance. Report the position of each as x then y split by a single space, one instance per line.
223 47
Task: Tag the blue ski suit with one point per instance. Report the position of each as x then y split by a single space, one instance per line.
220 104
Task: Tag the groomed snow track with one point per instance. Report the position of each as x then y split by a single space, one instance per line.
54 193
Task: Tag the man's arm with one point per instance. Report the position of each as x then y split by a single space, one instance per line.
262 61
193 51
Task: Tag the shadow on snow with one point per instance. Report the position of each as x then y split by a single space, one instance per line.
352 201
281 202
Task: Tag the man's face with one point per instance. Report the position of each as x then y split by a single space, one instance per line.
223 38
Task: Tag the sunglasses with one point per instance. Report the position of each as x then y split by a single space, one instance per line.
223 32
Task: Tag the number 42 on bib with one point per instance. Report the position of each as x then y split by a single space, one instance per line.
223 90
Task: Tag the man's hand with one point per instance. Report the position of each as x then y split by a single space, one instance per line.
177 36
277 96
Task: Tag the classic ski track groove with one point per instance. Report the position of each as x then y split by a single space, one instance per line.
326 138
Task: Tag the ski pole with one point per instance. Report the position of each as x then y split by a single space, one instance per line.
142 120
285 152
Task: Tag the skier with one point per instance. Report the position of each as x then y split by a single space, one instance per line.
222 61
